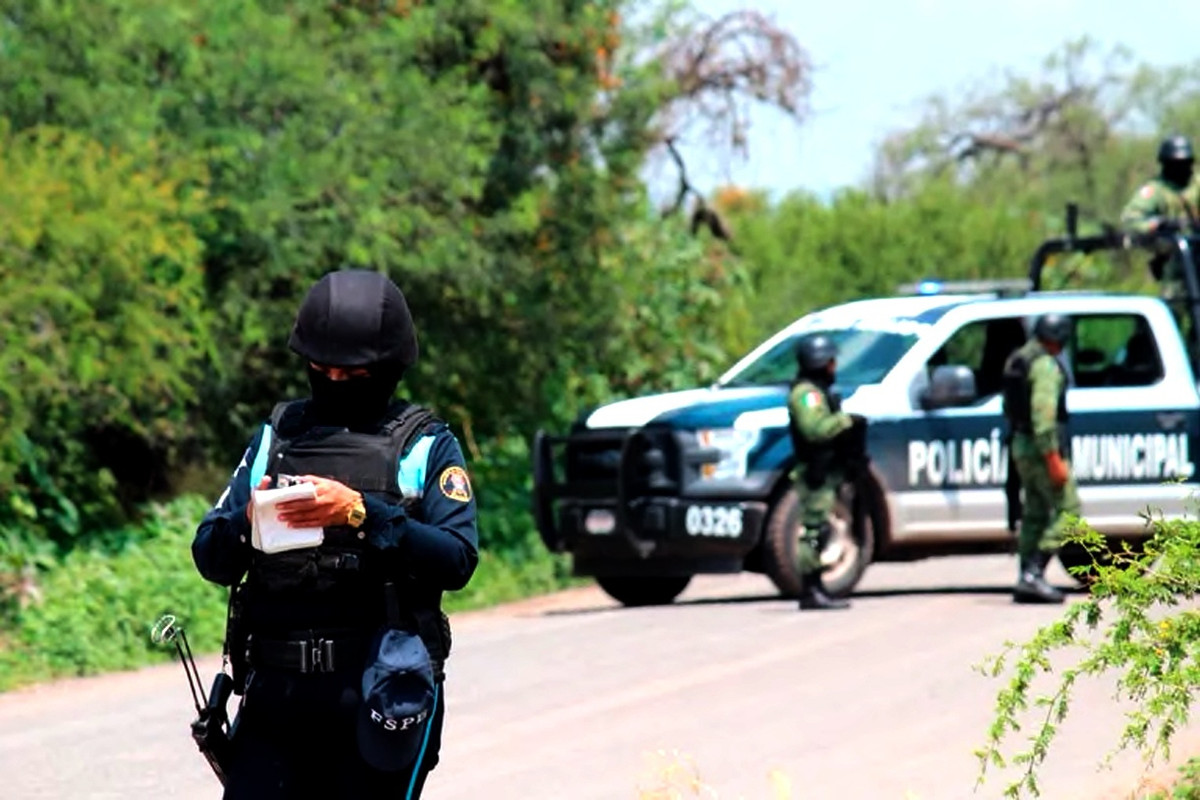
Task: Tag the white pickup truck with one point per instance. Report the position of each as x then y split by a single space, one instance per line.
647 492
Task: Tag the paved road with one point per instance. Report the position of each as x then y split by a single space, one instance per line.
570 698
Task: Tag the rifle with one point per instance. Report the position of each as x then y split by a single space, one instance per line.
851 445
210 730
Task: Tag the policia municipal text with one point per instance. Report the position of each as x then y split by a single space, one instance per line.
338 649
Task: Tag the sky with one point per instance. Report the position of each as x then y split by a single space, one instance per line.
876 60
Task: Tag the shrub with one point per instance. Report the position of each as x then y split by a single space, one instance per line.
1130 624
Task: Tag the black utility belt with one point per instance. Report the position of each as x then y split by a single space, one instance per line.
313 655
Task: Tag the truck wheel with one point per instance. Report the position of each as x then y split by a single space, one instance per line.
846 555
1073 554
644 591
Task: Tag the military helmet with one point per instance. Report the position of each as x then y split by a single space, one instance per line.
813 353
1053 328
355 318
1175 148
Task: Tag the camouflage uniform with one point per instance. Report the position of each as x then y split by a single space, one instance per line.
1046 508
818 421
1173 197
1159 200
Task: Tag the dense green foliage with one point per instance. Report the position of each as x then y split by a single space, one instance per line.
105 330
461 147
172 178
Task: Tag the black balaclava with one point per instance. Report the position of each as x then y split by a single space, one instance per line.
356 403
823 376
1177 172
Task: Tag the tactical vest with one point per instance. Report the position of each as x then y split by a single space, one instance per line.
1018 393
338 588
805 449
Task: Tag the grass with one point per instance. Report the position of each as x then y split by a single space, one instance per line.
95 610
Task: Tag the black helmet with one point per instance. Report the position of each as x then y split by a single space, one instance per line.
813 353
355 318
1175 148
1053 328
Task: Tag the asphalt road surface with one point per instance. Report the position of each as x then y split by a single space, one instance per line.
570 697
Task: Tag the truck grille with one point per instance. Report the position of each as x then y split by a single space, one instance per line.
594 456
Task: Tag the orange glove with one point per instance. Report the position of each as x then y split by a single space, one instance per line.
1057 469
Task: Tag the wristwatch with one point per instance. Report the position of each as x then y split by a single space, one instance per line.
357 514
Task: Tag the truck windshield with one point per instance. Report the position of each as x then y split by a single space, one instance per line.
864 357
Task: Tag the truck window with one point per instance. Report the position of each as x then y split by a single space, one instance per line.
865 356
983 347
1114 350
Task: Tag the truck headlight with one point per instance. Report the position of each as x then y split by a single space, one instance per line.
733 445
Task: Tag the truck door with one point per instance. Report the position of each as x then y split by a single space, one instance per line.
1133 427
947 467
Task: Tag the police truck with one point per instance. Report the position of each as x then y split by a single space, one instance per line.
646 493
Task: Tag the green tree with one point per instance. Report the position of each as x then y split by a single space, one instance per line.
484 154
105 331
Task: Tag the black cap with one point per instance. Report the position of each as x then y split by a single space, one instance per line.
354 318
398 700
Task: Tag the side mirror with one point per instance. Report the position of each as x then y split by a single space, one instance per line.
951 385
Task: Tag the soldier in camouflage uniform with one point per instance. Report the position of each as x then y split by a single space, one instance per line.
1169 202
816 425
1172 197
1035 392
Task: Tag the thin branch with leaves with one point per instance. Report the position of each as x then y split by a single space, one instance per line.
1133 623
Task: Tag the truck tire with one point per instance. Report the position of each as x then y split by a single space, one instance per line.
1073 554
852 545
639 590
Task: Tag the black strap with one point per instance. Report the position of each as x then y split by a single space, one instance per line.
286 415
308 655
391 602
407 423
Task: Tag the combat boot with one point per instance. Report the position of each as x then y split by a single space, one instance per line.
814 597
1031 584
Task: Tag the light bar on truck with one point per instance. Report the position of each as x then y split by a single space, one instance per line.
1000 286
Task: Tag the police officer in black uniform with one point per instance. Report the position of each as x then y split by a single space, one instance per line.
397 511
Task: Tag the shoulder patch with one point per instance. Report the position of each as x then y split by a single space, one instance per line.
1147 191
455 484
811 399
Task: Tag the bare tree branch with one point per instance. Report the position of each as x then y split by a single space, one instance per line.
738 59
702 214
1062 118
718 69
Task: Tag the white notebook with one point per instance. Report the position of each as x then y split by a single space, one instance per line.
268 533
